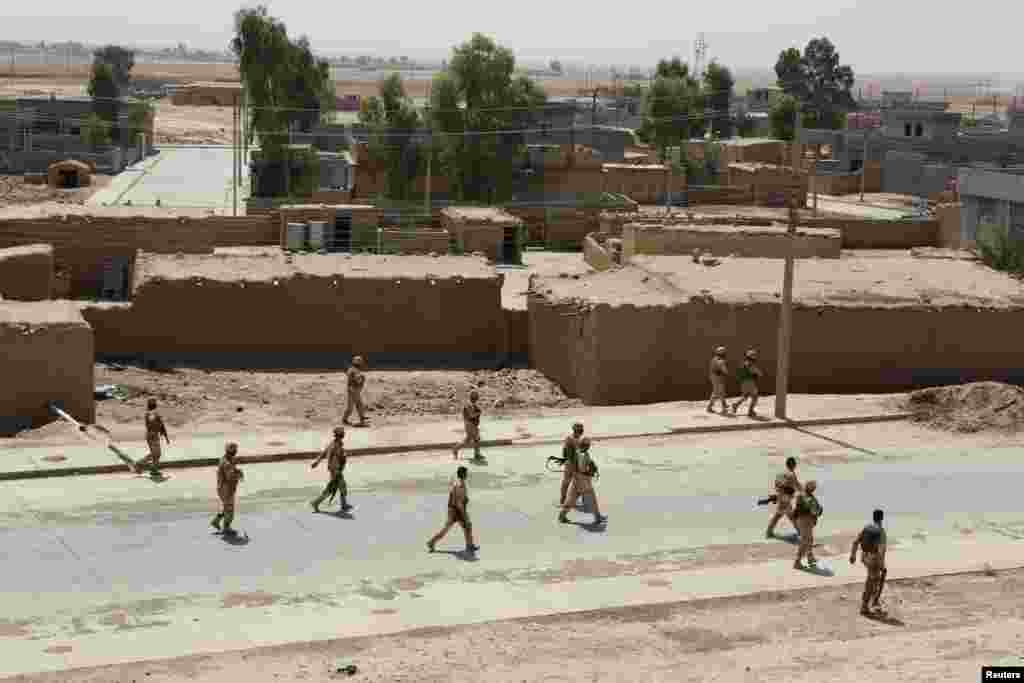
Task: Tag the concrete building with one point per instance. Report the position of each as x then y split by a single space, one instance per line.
993 196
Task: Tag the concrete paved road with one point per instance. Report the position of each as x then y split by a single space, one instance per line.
179 176
848 206
119 568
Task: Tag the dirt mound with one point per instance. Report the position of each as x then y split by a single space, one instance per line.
976 407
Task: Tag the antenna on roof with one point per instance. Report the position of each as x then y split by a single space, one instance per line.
700 50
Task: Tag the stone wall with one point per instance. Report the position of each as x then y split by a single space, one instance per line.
46 354
726 240
593 352
27 273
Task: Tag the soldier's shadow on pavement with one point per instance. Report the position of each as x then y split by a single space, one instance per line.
239 539
338 514
592 527
792 538
886 619
819 571
463 555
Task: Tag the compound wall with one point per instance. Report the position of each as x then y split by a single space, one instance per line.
631 354
46 354
859 233
305 320
26 273
750 242
82 244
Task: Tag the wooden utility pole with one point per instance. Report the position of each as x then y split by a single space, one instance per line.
786 306
814 176
234 157
864 164
430 156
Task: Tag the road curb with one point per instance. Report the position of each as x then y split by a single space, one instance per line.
447 445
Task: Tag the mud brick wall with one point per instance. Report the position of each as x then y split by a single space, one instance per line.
868 234
365 220
643 184
720 195
593 353
27 273
749 242
46 354
302 315
82 243
417 242
949 226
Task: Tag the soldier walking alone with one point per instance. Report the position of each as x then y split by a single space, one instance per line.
228 476
458 513
154 430
336 460
471 421
717 373
748 374
583 483
872 544
355 380
569 448
806 512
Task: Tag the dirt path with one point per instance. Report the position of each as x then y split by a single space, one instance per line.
940 629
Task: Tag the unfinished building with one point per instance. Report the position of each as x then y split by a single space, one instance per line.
46 355
493 232
645 332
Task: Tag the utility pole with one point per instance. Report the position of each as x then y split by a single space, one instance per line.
430 154
814 177
786 306
234 160
864 164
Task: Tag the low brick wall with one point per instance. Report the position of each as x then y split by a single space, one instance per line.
27 273
720 240
868 234
720 195
415 242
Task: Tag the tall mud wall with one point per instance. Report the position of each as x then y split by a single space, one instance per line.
628 354
26 273
46 355
81 244
750 242
305 319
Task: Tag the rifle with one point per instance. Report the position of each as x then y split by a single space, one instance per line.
560 463
768 501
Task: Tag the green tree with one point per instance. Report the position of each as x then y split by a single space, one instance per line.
105 93
817 81
670 110
95 132
488 98
120 60
138 113
393 122
718 93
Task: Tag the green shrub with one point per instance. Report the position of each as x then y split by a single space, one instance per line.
998 250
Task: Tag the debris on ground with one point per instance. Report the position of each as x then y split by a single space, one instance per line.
969 408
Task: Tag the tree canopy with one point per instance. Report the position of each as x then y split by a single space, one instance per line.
104 91
120 60
817 81
718 92
671 109
392 122
284 81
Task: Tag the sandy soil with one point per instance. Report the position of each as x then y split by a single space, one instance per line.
16 193
938 629
970 408
197 401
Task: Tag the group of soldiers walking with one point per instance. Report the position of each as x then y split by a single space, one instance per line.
795 501
798 503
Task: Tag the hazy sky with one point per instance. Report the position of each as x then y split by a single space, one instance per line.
874 36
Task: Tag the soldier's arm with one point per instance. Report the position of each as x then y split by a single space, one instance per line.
323 454
882 546
853 550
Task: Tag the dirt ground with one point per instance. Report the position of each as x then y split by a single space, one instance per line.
196 401
938 629
15 192
970 408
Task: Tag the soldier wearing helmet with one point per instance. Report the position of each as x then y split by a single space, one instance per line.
583 483
569 450
228 476
336 460
355 380
748 375
717 373
471 421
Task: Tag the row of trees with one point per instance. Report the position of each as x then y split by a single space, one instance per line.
474 100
